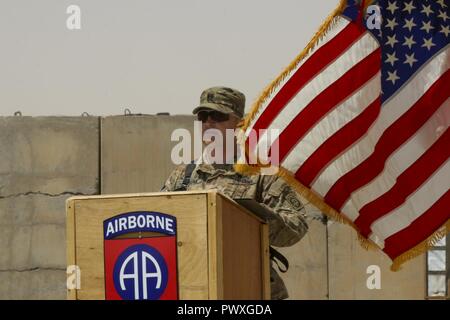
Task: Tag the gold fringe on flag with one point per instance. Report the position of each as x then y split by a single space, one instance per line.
303 191
421 247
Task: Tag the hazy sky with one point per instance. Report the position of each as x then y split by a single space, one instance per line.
149 56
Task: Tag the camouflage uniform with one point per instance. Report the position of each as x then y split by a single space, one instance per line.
288 225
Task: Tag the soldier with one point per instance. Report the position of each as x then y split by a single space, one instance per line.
223 108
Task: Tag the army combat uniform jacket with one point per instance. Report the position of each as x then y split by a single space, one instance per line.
288 224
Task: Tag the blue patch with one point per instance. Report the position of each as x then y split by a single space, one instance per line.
140 273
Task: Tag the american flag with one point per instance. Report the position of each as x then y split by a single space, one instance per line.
363 118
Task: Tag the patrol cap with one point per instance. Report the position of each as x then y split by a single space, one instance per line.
222 99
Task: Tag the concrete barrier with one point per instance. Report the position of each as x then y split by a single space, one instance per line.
43 161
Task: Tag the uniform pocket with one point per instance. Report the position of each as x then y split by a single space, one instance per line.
239 189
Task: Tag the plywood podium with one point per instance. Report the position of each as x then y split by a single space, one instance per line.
222 248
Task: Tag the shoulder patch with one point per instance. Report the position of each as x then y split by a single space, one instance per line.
293 200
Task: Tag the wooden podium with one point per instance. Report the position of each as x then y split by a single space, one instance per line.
222 248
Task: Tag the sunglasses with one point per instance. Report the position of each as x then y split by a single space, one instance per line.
215 116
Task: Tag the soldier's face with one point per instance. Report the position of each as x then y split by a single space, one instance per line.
222 126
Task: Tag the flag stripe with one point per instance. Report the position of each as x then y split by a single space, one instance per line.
417 203
340 25
403 158
336 144
411 179
343 113
391 139
356 53
329 52
327 100
390 112
423 227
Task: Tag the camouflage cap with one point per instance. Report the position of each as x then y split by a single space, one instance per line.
222 99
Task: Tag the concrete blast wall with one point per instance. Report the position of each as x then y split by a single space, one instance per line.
45 160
